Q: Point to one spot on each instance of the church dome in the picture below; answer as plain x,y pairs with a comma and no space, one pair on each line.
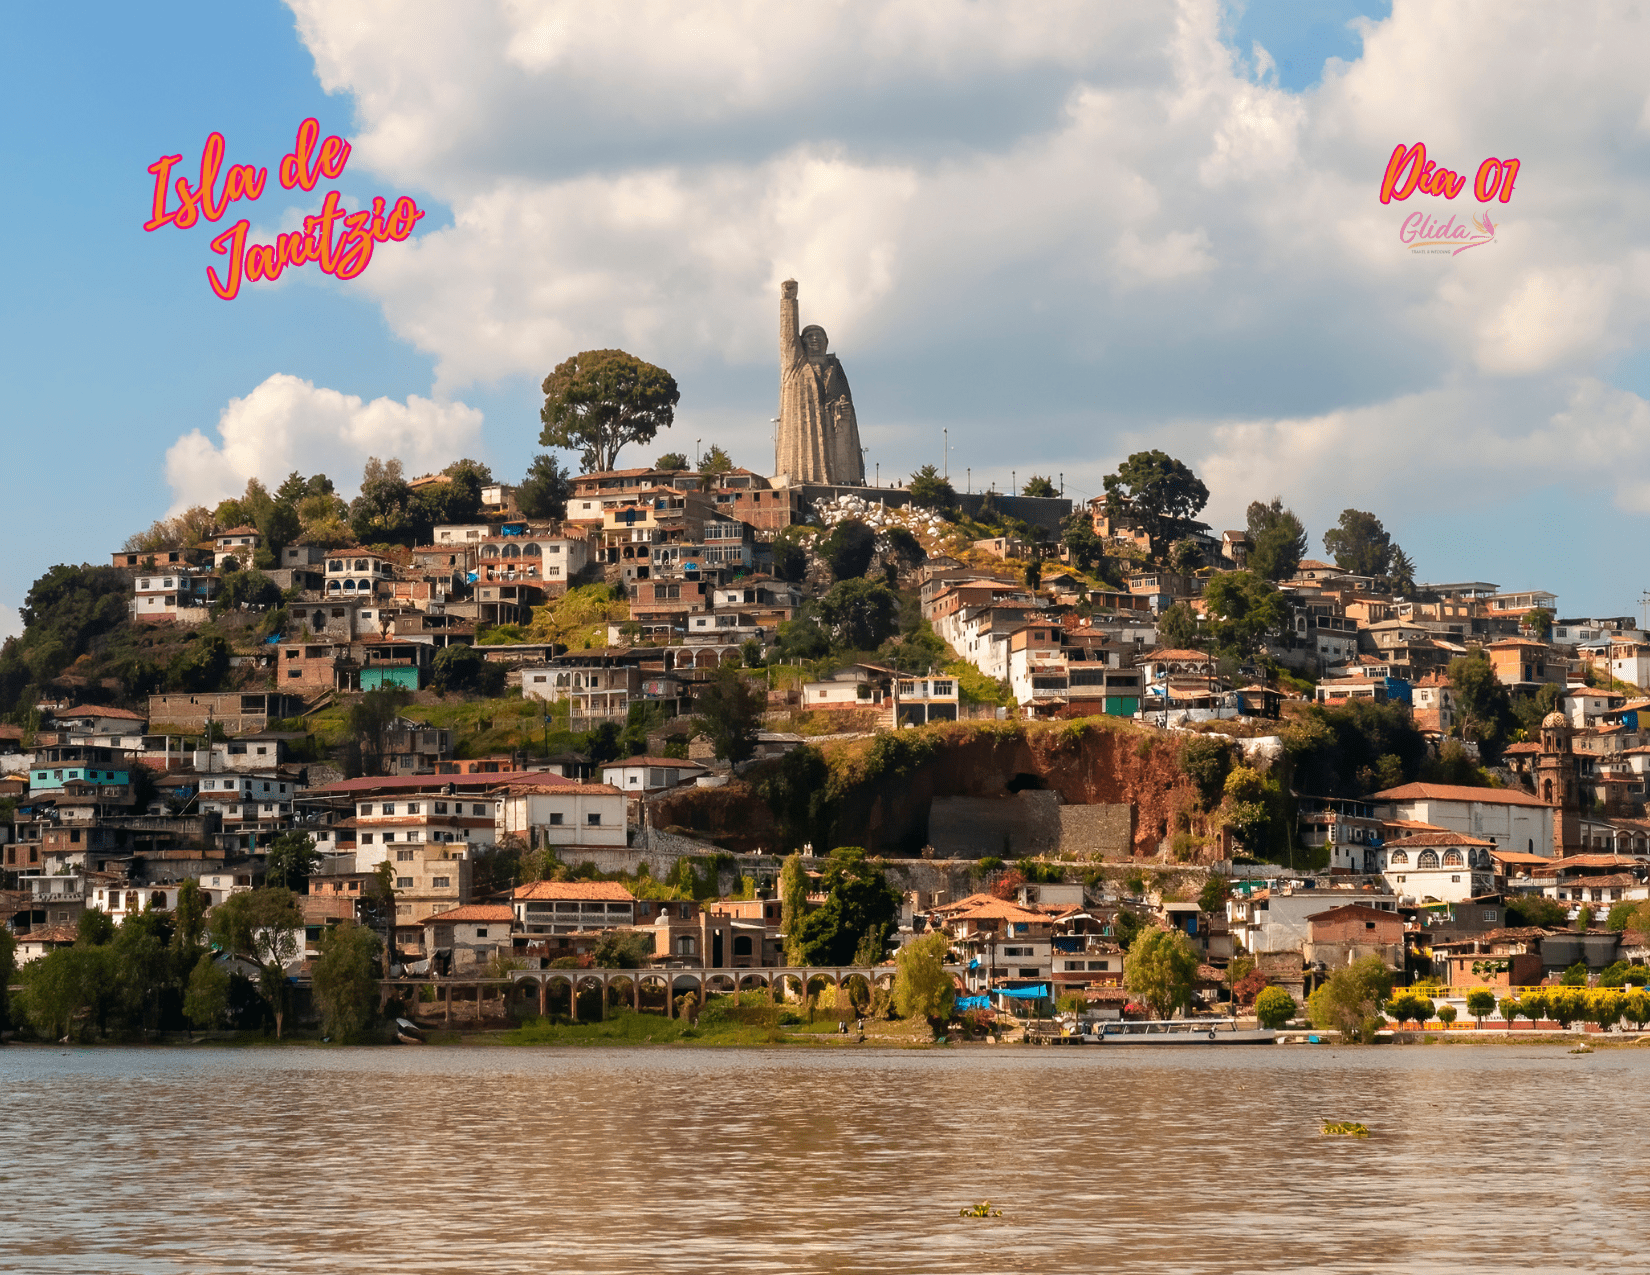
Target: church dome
1554,718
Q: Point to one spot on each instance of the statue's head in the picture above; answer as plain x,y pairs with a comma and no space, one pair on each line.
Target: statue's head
814,341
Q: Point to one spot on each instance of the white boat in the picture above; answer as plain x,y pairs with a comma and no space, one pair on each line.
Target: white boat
1181,1031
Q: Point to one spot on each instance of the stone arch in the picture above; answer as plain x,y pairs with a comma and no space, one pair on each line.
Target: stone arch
1547,791
511,551
531,550
883,979
705,659
489,551
742,945
788,986
752,979
859,989
721,984
731,657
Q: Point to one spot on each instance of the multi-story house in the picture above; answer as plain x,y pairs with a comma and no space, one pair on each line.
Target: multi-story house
178,594
577,815
240,543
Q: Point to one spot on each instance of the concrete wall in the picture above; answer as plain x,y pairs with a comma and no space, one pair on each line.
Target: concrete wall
1027,823
1097,832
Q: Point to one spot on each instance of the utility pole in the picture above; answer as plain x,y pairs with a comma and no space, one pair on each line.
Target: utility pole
947,433
970,472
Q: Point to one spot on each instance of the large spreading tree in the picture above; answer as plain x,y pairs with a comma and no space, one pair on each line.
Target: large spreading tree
1360,544
600,400
1160,491
1277,540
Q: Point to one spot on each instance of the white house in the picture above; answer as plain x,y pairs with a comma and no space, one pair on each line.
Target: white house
578,815
1274,920
1437,867
635,775
1512,820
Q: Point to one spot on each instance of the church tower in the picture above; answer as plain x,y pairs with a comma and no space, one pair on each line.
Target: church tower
1556,783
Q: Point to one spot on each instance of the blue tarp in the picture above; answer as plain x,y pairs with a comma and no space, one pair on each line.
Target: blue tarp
1036,992
973,1002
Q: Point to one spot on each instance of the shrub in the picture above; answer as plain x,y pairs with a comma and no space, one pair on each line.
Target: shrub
1480,1003
1446,1014
1274,1007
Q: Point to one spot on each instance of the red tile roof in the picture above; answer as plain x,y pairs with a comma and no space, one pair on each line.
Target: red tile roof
662,762
1456,792
433,784
600,891
473,912
99,710
1437,839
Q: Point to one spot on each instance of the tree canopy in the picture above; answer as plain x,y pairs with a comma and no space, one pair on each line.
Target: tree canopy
1162,492
1244,607
859,904
1350,1000
715,461
922,988
861,614
929,490
1038,485
598,401
1277,540
729,710
849,548
346,980
1360,544
672,460
1159,970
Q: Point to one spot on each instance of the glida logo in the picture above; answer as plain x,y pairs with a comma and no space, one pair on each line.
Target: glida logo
1410,172
1421,233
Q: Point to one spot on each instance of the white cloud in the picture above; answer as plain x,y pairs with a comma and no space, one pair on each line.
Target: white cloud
288,424
1061,231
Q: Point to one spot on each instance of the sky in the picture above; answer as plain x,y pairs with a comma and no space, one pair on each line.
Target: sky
1041,236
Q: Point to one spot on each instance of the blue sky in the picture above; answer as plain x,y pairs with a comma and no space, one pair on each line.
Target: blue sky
1061,238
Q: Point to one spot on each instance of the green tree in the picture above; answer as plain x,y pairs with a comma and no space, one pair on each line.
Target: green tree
1079,537
1568,1003
461,668
1575,976
544,492
265,927
1160,491
1127,926
793,905
716,461
1510,1008
207,996
1482,702
1212,897
1037,485
346,980
1533,909
369,721
1359,544
922,988
1277,540
858,899
292,860
1584,919
1244,607
729,710
929,490
790,560
1446,1015
383,512
1538,622
201,666
623,950
672,461
598,401
1351,999
143,964
1159,970
1635,1007
66,985
1480,1004
861,614
848,549
1400,571
1274,1007
795,789
252,590
94,928
1177,628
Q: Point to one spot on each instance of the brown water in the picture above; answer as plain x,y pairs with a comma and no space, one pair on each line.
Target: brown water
413,1160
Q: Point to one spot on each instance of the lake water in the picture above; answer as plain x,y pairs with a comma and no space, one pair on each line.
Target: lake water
575,1160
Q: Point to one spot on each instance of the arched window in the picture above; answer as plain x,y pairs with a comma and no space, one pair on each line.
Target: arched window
1400,856
349,586
1452,858
742,945
360,564
333,586
1427,859
512,551
531,550
489,551
1547,791
158,899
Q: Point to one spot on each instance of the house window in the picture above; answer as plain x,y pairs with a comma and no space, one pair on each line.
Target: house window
481,931
366,838
685,946
1033,972
477,808
403,883
403,856
442,883
593,820
555,818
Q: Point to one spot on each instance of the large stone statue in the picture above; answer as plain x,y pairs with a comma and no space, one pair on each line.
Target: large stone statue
818,432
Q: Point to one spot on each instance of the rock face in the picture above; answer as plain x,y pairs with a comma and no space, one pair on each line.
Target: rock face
1106,791
818,438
